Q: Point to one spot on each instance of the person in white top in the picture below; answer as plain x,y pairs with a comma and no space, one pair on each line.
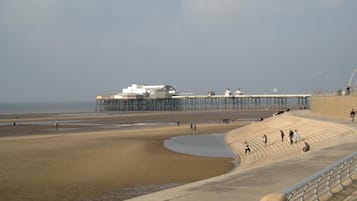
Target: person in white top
265,139
297,136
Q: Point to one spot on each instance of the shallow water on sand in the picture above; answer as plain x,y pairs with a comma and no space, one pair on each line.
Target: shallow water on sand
211,145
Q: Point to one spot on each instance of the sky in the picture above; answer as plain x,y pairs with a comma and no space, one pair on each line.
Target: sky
73,50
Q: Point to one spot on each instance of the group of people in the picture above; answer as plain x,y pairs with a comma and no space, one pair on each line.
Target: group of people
193,126
292,135
247,147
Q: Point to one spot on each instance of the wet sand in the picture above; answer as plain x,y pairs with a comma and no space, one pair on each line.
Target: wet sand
103,164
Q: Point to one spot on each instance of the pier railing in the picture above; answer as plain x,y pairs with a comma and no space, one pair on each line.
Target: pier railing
326,182
203,103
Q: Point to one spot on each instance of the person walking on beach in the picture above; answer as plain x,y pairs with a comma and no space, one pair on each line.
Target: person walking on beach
191,126
282,135
291,136
56,125
352,114
194,127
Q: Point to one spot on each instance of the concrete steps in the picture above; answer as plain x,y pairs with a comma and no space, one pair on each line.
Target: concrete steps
315,132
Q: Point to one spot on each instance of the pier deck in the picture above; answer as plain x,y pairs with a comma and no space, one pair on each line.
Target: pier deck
202,103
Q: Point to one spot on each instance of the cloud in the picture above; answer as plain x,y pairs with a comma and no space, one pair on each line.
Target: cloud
25,12
212,10
218,11
331,3
212,7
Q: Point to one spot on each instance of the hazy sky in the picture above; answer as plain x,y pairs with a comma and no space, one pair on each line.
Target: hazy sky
72,50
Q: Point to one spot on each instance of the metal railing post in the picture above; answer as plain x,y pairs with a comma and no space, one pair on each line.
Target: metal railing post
328,183
316,190
317,185
339,176
303,194
349,175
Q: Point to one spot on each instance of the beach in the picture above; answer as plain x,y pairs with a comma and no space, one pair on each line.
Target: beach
86,161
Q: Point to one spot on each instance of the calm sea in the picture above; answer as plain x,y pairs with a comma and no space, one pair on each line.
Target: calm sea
46,107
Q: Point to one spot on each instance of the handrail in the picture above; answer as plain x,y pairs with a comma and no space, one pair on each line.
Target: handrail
324,181
335,93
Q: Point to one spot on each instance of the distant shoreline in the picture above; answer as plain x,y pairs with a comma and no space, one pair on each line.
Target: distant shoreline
14,108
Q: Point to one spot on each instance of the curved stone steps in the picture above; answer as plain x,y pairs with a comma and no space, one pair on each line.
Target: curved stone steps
313,131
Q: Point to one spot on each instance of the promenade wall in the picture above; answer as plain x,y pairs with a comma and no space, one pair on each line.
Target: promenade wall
333,106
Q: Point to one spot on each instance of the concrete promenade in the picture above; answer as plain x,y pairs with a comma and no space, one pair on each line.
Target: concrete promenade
273,167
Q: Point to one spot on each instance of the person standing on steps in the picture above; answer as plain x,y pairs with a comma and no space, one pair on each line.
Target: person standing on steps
297,136
265,139
247,148
282,135
291,136
352,114
306,147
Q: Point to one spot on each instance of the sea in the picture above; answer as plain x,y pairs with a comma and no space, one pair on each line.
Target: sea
46,107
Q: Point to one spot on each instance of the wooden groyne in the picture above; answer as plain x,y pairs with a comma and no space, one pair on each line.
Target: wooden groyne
202,103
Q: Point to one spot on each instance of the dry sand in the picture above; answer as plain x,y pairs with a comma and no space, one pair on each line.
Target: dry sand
95,164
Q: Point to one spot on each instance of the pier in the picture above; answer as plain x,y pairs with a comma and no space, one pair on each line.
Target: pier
202,103
142,98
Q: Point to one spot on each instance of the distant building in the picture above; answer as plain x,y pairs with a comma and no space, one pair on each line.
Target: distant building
136,91
211,93
227,92
238,92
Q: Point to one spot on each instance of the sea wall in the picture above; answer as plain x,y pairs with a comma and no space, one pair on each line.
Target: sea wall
333,106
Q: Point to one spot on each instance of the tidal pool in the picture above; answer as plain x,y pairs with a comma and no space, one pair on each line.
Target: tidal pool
211,145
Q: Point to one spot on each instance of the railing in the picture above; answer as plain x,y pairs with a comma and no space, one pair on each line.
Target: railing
336,93
324,183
